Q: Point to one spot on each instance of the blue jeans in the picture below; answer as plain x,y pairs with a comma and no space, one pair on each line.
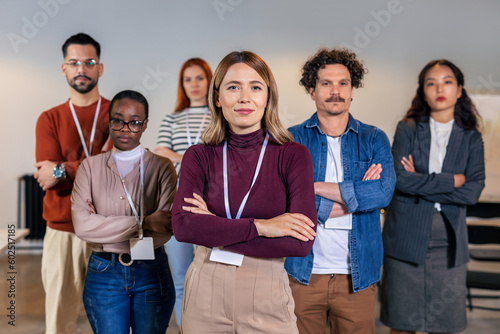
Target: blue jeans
118,298
180,255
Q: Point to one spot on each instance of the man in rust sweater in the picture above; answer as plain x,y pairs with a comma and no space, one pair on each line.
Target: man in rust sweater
65,135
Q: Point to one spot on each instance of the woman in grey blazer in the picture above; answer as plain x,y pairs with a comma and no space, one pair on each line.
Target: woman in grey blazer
439,158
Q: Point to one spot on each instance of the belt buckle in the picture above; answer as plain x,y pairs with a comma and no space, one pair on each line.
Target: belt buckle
126,264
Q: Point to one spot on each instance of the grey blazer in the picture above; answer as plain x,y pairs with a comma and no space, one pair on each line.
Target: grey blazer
408,221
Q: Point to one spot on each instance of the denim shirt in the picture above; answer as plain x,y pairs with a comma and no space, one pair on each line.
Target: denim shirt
361,146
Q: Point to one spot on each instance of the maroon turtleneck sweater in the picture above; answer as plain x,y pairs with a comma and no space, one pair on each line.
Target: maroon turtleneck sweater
285,184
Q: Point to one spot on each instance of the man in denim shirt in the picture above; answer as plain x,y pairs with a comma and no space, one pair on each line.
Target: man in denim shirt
354,178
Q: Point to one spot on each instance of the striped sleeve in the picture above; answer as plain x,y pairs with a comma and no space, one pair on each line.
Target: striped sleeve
165,133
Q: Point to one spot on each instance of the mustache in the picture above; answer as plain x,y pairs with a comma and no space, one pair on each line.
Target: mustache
82,76
335,99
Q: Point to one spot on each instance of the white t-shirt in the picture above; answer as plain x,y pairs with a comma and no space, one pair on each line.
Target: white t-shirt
331,247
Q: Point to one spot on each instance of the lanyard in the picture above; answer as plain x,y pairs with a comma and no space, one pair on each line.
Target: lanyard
199,130
138,219
256,173
88,151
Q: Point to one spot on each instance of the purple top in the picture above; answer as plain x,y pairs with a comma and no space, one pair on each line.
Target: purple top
285,184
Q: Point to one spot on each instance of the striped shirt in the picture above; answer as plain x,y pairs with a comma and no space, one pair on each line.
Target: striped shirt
173,134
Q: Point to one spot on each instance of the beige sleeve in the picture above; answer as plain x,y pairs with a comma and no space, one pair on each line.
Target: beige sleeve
112,232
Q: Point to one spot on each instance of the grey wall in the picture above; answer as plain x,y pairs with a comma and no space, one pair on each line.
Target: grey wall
394,38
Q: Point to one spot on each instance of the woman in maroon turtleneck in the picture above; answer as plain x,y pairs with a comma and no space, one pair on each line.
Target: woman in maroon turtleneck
246,197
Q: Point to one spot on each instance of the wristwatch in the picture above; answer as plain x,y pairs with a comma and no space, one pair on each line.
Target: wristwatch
59,172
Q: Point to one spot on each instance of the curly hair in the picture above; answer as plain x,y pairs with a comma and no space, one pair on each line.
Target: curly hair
466,114
330,57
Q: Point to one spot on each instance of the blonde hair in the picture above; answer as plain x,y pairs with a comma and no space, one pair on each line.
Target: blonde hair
216,131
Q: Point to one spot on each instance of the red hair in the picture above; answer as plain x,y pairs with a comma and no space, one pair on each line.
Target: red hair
182,99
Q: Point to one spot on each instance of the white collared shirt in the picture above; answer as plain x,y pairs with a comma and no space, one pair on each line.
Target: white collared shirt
440,136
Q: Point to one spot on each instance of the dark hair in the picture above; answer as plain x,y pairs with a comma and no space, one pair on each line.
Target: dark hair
216,131
465,115
81,39
330,57
182,99
133,95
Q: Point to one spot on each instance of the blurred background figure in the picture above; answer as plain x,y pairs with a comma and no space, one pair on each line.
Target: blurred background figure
439,160
178,131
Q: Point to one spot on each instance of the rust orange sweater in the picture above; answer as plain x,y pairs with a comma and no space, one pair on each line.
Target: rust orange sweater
57,140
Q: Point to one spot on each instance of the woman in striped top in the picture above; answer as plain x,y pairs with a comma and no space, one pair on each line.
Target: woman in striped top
178,131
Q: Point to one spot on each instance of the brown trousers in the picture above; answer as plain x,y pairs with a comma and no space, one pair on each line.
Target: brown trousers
332,296
253,298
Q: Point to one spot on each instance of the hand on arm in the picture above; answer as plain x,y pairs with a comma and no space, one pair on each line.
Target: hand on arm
411,178
168,153
294,225
338,210
241,235
45,174
159,221
328,190
467,187
459,180
408,164
200,205
331,190
373,172
92,209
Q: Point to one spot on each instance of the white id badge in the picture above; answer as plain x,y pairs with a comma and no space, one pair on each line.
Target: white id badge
341,223
227,257
142,249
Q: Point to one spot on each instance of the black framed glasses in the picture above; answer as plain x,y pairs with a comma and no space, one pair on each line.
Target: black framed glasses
88,64
118,124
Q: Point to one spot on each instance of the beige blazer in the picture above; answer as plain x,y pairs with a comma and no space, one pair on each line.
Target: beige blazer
114,224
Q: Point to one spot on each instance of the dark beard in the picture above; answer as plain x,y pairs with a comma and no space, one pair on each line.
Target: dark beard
83,89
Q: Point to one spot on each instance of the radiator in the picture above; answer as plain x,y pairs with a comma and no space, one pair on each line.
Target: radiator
30,207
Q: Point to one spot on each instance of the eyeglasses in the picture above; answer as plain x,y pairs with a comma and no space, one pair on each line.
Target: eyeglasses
88,64
118,124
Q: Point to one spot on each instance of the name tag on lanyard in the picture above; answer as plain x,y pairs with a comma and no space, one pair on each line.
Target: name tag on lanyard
141,248
341,223
218,254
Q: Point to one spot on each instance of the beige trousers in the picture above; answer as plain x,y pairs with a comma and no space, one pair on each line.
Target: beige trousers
64,264
253,298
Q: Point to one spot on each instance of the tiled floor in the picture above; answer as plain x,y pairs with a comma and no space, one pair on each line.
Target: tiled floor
29,303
